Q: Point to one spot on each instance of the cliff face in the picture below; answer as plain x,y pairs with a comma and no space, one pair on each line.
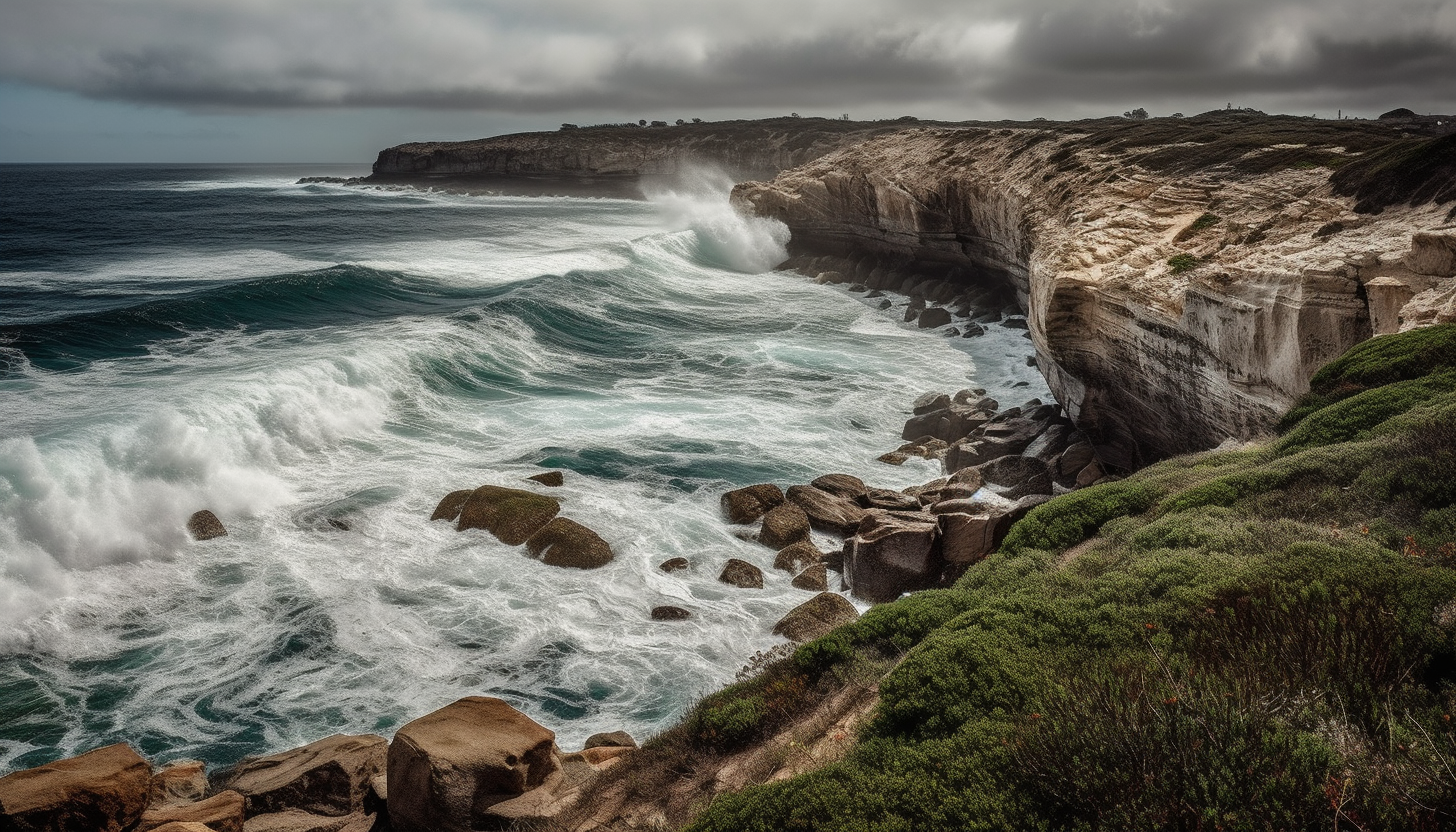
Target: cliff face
742,149
1272,272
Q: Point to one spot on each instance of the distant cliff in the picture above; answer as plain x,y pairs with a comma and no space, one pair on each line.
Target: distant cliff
1183,278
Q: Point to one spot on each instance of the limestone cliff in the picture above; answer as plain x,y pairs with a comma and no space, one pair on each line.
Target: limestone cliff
1182,278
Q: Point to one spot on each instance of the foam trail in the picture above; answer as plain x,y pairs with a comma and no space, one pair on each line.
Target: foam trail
700,203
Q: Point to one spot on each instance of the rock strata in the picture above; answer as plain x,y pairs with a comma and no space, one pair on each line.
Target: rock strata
329,777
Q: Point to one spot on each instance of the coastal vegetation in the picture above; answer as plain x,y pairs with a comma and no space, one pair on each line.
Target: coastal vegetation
1258,638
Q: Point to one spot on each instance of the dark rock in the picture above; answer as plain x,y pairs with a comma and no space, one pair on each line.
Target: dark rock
1014,323
834,560
972,331
927,402
784,525
892,554
892,458
816,617
885,304
884,498
742,574
1014,477
815,578
668,613
859,287
553,479
840,485
914,309
745,505
1049,446
971,397
204,525
100,791
987,318
825,511
673,564
511,514
329,777
563,542
1076,457
795,557
933,317
610,739
449,508
875,293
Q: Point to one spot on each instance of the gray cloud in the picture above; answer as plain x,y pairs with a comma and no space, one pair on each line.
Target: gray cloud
978,57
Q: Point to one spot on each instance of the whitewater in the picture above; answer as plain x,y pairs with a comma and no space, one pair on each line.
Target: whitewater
319,364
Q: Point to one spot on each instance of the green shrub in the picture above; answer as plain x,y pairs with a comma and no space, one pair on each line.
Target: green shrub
894,628
1069,519
1353,417
1180,263
951,678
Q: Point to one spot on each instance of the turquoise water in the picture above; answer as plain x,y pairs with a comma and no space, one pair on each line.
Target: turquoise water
178,338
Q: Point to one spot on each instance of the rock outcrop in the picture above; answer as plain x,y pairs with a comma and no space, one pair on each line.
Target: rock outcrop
329,777
815,617
105,790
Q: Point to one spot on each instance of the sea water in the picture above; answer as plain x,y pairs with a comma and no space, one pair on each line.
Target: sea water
319,364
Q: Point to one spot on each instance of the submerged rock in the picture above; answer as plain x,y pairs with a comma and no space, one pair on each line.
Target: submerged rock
670,613
815,617
563,542
511,514
745,505
204,525
674,564
100,791
742,574
553,479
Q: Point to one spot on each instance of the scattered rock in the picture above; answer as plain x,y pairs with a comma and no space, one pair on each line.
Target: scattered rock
183,781
1014,477
1090,475
100,791
972,331
670,613
329,777
511,514
933,317
815,617
814,578
784,525
563,542
1014,323
449,507
927,402
796,556
742,574
450,770
826,512
553,479
840,485
893,458
745,505
223,812
204,525
673,564
891,554
610,739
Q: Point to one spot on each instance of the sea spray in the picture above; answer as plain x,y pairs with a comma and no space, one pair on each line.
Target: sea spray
698,200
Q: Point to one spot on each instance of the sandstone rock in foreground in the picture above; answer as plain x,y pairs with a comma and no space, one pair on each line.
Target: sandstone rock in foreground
223,812
815,617
893,553
183,781
329,777
100,791
450,768
511,514
563,542
204,525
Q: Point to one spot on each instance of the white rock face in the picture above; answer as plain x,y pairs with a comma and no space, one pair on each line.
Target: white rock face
1148,359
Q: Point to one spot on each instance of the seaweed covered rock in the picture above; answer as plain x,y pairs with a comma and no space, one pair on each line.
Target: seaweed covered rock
511,514
564,542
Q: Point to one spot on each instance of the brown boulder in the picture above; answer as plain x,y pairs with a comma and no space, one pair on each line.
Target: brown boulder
893,553
673,564
449,507
745,505
927,402
552,479
814,578
1014,477
826,512
563,542
511,514
183,826
893,458
795,557
883,498
840,485
204,525
815,617
669,613
328,777
610,739
223,812
450,768
742,574
783,526
100,791
184,781
967,538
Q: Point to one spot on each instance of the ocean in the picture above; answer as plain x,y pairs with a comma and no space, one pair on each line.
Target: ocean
319,364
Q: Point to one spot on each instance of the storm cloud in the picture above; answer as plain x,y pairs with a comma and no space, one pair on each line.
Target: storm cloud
560,56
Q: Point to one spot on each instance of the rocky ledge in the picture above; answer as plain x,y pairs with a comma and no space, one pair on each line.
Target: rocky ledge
1182,278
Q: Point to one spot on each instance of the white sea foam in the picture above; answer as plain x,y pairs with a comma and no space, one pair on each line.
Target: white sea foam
698,201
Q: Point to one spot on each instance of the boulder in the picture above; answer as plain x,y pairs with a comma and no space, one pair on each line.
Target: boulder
294,820
884,498
893,458
1076,457
815,617
967,538
610,739
1048,447
449,507
1090,474
926,447
551,479
329,777
183,826
784,525
670,613
967,477
1432,254
926,402
840,485
673,564
1014,323
511,514
449,769
826,512
183,781
745,505
891,554
814,578
1014,477
972,331
742,574
795,557
204,525
914,309
223,812
933,317
100,791
563,542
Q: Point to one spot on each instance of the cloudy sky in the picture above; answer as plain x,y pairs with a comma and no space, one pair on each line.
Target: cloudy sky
335,80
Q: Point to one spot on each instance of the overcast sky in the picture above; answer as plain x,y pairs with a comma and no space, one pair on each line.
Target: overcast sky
336,80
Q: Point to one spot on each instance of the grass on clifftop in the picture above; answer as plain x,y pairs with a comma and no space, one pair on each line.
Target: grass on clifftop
1250,640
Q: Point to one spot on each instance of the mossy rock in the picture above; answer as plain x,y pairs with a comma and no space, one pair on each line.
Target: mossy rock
784,526
449,508
511,514
815,617
563,542
742,574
